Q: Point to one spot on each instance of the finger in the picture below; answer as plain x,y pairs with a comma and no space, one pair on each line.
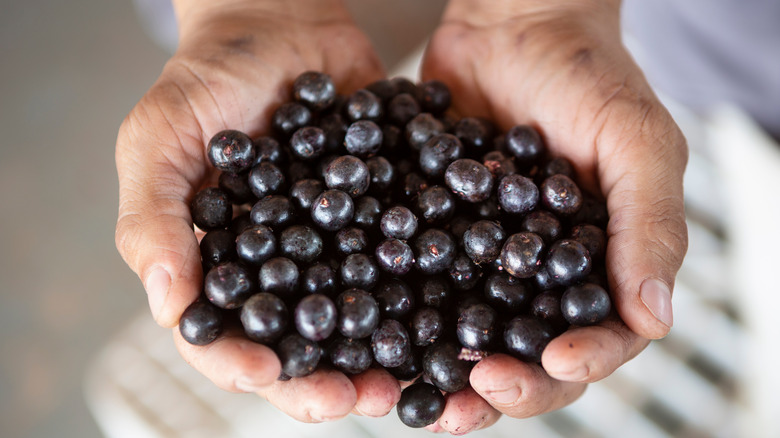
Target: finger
466,412
589,354
647,231
232,362
520,389
377,392
325,395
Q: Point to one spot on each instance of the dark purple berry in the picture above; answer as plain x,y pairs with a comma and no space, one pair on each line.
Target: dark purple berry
350,356
568,262
218,246
475,134
332,210
402,108
507,294
524,143
318,278
383,89
561,195
394,256
547,306
464,273
421,128
558,166
526,336
266,179
394,298
300,243
363,138
412,185
304,192
315,317
435,292
299,356
435,96
231,151
469,179
435,205
308,143
264,317
594,239
211,209
289,117
398,222
517,194
522,254
228,285
421,404
368,211
435,251
315,90
359,271
439,152
544,224
443,368
483,241
358,313
236,185
426,326
382,174
255,245
267,149
390,343
363,105
585,304
348,174
275,211
498,164
477,326
201,323
279,276
351,240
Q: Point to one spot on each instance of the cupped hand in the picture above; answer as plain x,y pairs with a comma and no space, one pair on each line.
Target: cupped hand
235,61
560,66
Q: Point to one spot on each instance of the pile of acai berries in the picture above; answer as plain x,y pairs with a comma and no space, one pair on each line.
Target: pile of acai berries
375,229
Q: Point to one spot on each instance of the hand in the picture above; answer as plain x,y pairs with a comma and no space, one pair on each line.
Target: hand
233,59
560,66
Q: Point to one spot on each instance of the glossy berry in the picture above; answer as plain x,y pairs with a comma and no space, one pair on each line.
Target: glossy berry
469,179
399,223
289,117
255,245
524,143
435,250
421,128
561,195
435,205
593,238
351,240
348,174
585,304
435,291
558,166
275,211
499,164
358,313
517,194
264,317
231,151
300,243
483,240
526,336
394,257
464,273
443,368
269,150
394,298
332,210
279,276
368,211
402,108
382,174
438,152
228,285
477,327
218,246
507,294
435,96
568,262
363,105
390,343
475,134
304,192
363,138
201,323
522,254
315,317
384,89
350,356
426,326
315,90
421,404
236,185
543,223
299,356
409,370
318,278
547,306
412,185
266,179
211,209
359,271
308,143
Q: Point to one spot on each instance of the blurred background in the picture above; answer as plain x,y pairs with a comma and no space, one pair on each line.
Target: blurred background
70,329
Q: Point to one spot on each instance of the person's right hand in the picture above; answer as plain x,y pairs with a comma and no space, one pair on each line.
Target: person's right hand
234,60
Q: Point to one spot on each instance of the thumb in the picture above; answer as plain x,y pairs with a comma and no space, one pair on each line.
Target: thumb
642,178
154,231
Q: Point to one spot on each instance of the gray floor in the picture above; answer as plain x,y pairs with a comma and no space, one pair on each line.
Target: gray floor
69,72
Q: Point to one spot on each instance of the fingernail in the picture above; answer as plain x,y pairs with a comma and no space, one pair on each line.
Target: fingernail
246,384
505,396
157,284
658,300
